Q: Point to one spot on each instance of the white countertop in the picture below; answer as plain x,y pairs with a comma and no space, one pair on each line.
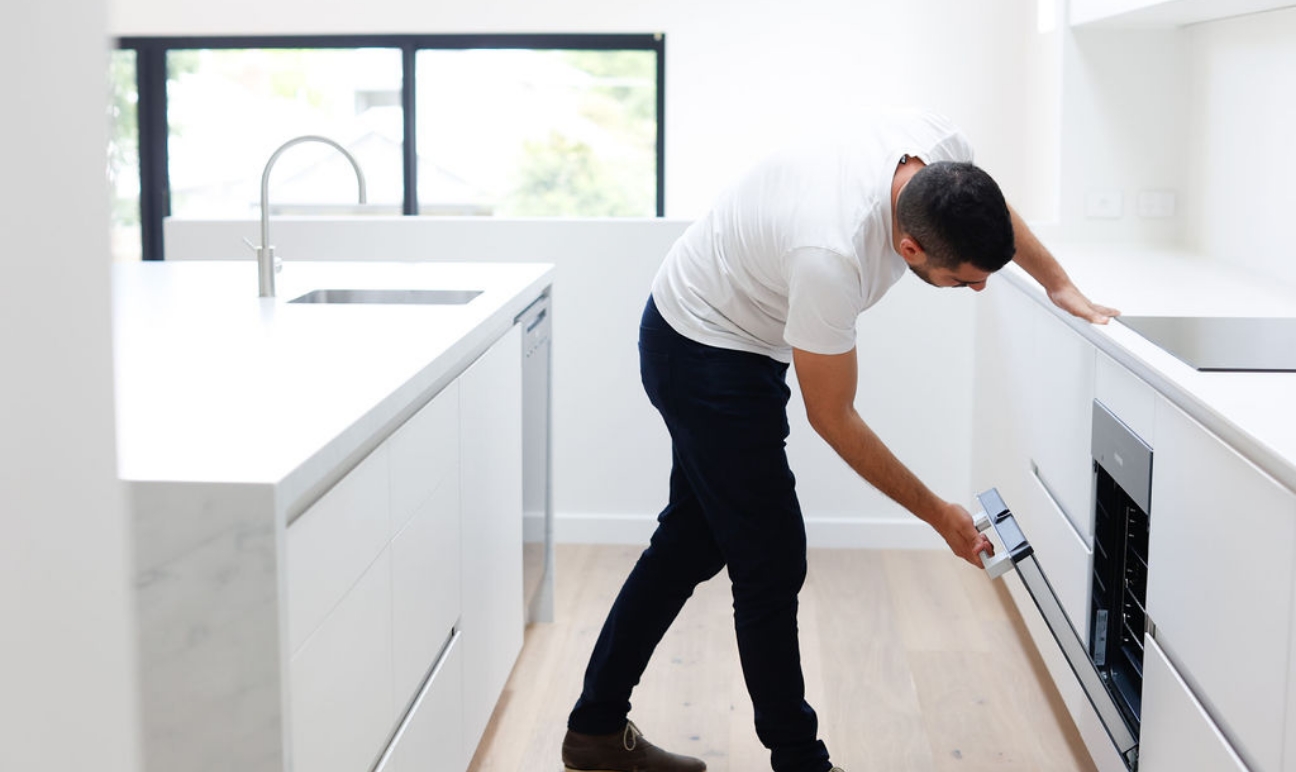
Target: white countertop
217,385
1253,412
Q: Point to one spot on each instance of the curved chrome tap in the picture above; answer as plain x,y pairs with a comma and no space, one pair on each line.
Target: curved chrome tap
267,264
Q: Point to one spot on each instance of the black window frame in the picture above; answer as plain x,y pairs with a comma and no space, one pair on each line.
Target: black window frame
151,81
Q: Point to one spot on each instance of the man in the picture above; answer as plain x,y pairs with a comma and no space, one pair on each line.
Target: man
777,273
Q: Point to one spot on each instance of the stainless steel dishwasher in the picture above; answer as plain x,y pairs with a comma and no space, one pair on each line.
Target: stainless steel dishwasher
537,469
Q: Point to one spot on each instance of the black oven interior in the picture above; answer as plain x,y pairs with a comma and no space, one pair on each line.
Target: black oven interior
1118,605
1119,594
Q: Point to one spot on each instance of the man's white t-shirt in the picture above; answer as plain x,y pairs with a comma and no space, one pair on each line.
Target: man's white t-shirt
793,253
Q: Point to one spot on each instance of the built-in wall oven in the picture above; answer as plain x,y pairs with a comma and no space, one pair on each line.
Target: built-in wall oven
1109,665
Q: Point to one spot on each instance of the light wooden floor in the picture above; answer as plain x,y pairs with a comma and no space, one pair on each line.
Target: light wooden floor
913,660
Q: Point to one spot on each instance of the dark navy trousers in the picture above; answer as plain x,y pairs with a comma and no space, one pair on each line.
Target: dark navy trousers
732,503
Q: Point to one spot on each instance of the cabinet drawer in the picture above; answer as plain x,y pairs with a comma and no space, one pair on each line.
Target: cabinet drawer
1063,556
1127,397
424,452
1220,557
431,739
331,544
425,587
1061,396
1177,734
340,682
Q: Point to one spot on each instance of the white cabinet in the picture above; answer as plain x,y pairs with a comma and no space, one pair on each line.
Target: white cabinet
404,585
372,591
491,482
425,544
432,738
331,545
1061,389
1065,559
1219,690
1034,393
1220,575
425,587
1177,734
1001,420
1125,396
340,694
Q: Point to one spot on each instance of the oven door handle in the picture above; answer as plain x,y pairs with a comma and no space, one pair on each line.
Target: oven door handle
994,513
1017,553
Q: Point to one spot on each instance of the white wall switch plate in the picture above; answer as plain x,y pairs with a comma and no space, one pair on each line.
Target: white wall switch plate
1104,204
1156,203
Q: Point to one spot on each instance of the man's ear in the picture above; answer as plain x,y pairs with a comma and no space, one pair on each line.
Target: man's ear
912,253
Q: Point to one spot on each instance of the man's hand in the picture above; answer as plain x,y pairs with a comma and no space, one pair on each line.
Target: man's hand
960,533
1071,300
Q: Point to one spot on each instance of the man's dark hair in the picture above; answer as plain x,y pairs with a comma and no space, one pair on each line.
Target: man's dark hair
957,214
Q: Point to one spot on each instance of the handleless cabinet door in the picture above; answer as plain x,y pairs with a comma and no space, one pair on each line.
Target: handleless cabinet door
490,404
341,681
1220,563
334,542
1177,735
425,587
1063,556
1001,420
425,547
431,740
1061,393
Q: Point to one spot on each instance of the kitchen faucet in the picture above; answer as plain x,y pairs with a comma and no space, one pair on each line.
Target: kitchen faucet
267,263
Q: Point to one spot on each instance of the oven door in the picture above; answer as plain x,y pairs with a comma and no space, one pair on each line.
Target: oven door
1017,553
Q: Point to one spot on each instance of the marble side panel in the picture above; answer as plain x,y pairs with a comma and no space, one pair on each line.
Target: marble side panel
208,593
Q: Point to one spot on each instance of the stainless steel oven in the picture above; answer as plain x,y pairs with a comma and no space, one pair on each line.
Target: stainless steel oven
1109,665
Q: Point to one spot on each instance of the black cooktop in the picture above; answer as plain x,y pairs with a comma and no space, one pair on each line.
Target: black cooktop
1231,344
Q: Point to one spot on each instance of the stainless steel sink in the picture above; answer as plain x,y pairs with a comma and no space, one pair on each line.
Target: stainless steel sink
389,296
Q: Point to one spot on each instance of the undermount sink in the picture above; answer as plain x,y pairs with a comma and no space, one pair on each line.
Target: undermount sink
389,296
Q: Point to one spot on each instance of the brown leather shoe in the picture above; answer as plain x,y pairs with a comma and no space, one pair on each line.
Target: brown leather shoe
624,751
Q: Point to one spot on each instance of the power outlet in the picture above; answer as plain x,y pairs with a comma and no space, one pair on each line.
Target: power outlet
1155,204
1104,205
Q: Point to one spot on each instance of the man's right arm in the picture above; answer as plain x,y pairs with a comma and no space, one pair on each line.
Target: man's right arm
828,384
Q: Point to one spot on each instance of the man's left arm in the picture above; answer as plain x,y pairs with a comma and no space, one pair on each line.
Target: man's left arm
1037,261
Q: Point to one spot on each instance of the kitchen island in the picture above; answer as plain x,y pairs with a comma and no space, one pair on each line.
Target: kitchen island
327,511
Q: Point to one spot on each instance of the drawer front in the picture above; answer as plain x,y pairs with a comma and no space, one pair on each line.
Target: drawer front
334,542
1177,734
1220,563
1063,556
432,738
425,587
1127,397
340,687
1061,417
424,452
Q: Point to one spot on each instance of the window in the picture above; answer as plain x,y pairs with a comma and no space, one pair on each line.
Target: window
520,125
538,133
123,157
228,110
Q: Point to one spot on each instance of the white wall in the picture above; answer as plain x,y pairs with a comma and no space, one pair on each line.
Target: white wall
740,75
1243,141
1123,129
611,452
1204,110
67,686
